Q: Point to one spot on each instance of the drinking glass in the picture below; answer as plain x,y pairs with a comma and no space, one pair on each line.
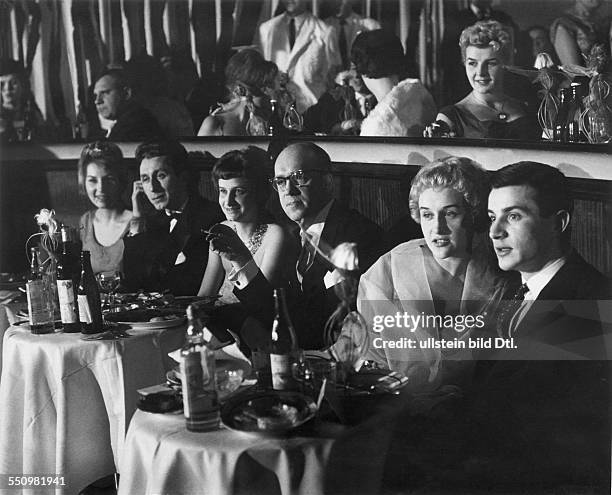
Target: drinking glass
108,283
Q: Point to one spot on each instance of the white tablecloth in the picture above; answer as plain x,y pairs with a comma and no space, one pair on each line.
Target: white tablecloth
65,403
161,456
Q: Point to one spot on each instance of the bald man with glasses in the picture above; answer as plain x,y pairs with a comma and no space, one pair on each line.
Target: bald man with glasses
303,181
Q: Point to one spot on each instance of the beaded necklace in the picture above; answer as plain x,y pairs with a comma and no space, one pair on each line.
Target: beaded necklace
254,241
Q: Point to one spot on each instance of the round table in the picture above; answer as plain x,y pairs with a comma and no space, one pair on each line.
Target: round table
162,456
65,403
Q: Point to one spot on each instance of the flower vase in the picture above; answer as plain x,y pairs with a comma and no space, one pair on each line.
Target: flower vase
599,121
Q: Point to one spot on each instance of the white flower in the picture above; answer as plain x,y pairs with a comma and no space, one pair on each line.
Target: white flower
345,257
543,61
46,221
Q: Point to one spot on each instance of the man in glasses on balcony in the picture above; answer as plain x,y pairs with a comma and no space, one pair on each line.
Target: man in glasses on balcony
303,180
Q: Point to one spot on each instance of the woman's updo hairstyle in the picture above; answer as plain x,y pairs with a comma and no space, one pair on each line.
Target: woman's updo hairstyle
460,174
378,54
248,74
486,34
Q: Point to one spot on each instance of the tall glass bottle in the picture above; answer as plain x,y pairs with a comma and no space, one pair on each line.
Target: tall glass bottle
39,310
274,124
575,110
66,287
284,350
560,129
88,298
200,402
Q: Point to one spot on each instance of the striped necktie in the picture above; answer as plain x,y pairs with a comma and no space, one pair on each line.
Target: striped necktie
509,309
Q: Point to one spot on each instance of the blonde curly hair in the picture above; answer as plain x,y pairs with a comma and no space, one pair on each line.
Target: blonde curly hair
484,34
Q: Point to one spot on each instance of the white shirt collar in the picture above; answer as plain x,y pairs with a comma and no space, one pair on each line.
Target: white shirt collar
538,281
316,228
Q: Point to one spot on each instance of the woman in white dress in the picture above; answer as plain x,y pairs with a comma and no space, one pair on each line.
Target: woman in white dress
440,285
240,177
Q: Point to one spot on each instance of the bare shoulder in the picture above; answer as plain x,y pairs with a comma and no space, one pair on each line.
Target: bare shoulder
212,126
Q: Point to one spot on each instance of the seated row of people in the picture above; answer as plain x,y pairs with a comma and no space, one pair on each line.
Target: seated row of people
164,242
493,109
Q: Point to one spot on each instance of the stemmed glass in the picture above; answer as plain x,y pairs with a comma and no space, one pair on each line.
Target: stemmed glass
109,283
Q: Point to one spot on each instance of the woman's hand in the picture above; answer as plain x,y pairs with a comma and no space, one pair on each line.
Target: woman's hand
225,242
438,129
137,198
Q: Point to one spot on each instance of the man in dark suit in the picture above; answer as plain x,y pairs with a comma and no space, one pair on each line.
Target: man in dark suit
530,209
540,410
304,184
125,119
167,250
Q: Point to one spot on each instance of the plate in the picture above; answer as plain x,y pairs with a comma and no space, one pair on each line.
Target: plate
267,413
140,319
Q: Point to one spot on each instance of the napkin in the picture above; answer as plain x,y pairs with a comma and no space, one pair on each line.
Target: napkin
226,350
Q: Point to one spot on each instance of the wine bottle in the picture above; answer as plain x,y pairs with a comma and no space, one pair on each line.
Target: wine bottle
200,402
275,125
283,347
66,288
88,298
39,311
560,129
81,125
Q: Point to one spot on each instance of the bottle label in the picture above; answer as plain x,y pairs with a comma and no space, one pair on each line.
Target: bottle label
280,366
84,309
199,394
65,293
38,307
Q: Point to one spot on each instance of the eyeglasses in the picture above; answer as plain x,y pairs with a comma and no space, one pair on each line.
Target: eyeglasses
299,178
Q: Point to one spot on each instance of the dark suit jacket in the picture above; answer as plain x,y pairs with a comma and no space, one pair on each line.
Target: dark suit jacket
149,257
541,411
311,304
135,124
566,313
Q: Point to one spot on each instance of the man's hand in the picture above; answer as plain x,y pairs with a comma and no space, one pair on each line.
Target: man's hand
225,242
138,196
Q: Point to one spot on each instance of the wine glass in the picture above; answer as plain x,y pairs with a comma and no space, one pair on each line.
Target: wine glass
108,283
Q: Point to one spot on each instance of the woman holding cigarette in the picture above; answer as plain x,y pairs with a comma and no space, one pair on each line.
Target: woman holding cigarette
240,178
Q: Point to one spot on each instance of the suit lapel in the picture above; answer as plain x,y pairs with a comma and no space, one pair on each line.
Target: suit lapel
302,40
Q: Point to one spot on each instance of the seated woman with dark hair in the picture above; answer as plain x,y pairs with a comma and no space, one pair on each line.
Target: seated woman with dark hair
249,80
439,285
21,118
240,178
486,112
103,176
404,105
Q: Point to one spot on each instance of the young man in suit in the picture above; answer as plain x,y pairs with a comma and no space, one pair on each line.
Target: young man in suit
167,249
539,411
530,210
303,180
304,47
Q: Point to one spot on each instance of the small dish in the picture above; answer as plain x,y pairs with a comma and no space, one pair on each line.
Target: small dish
147,319
270,413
